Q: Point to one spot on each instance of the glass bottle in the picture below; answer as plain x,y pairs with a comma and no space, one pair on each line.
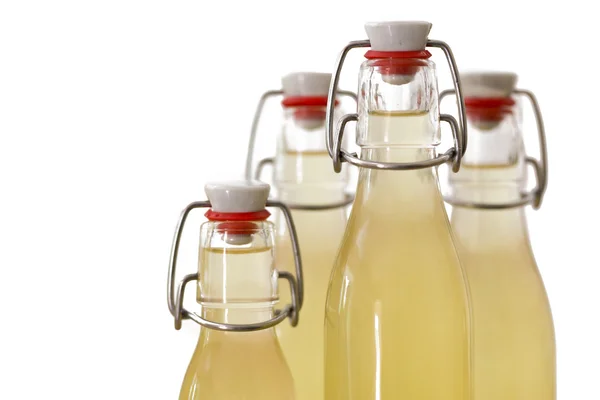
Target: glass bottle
305,182
238,355
514,348
397,311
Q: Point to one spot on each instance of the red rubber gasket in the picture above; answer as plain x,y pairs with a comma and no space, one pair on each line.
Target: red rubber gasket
245,216
306,101
237,223
419,54
398,62
488,108
488,101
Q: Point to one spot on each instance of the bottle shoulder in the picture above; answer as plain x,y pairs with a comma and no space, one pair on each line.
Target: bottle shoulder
253,360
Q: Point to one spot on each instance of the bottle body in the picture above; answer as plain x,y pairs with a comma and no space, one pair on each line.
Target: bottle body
319,233
397,310
304,177
514,344
237,285
397,313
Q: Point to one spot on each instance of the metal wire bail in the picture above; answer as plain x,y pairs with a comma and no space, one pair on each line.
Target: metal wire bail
256,120
540,167
334,137
175,297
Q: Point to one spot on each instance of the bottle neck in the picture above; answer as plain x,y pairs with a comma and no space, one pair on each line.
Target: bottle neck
236,286
303,172
265,338
239,313
481,229
311,194
237,280
487,192
493,172
380,191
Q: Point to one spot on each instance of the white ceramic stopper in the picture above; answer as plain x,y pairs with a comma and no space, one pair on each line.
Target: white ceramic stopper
398,35
306,84
488,84
237,196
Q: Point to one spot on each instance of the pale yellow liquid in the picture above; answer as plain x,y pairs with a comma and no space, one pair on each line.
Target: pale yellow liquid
514,351
397,314
236,365
319,234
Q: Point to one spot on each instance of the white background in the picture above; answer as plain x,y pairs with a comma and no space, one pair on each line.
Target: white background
114,113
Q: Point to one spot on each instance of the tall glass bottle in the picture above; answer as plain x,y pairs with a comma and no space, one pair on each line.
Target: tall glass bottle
316,195
397,310
514,350
238,355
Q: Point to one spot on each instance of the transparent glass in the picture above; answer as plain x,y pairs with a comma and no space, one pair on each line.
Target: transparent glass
237,285
381,95
492,144
514,344
304,175
397,310
236,263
